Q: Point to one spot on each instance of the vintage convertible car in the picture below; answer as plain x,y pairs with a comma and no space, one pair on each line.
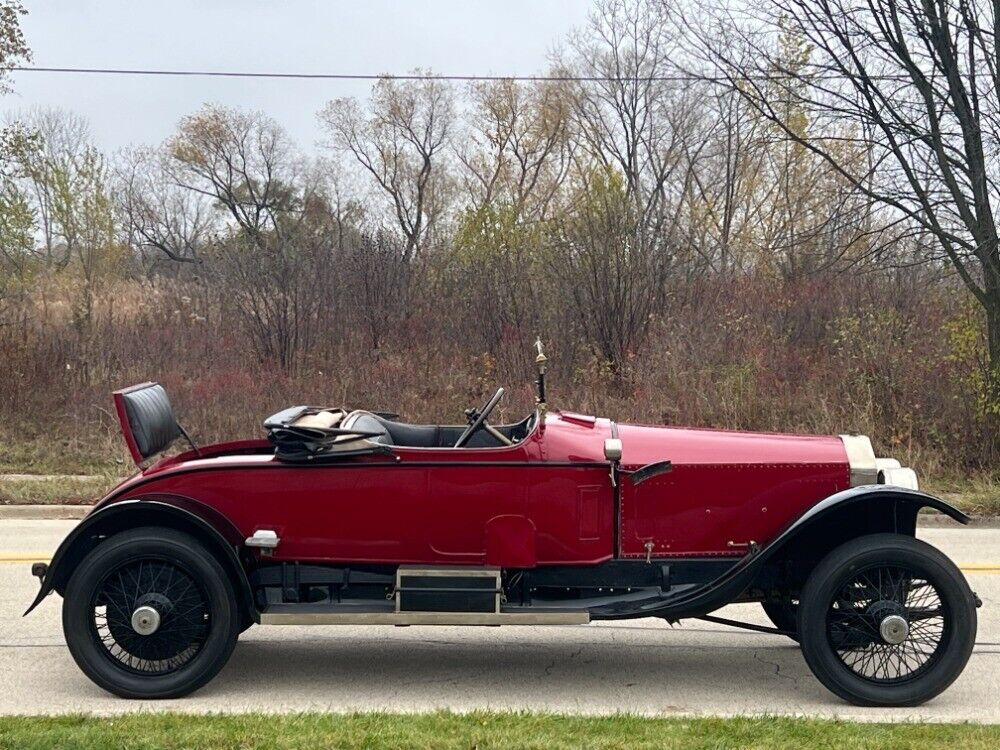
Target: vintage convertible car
351,516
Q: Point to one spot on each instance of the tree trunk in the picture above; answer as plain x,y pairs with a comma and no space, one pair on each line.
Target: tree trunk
992,305
991,396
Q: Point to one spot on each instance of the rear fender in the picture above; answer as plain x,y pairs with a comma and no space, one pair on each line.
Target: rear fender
219,536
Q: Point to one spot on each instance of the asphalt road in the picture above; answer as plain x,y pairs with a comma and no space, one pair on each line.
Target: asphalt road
641,666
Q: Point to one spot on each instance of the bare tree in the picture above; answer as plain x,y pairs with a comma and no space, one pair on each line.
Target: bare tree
401,142
156,213
727,187
518,150
628,114
914,86
379,276
274,260
639,137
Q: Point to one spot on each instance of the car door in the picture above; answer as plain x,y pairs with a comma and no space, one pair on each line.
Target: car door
540,502
470,487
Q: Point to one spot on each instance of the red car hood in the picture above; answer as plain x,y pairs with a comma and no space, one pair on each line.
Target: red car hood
578,437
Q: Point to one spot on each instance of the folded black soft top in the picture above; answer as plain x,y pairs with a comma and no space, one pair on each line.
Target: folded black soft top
306,433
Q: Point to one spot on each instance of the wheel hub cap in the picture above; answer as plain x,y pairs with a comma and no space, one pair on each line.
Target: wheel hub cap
894,629
145,620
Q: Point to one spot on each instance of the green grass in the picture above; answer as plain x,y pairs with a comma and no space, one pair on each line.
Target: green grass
56,490
977,495
58,454
475,730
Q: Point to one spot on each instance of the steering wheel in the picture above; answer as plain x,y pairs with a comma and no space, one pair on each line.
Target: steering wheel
476,421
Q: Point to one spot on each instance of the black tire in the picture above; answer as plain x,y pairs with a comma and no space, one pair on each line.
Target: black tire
844,613
784,615
171,572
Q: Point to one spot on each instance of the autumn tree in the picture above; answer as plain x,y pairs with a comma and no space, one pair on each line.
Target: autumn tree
515,155
402,143
84,219
64,179
631,114
638,136
611,281
53,144
17,227
16,220
918,85
275,257
242,161
517,149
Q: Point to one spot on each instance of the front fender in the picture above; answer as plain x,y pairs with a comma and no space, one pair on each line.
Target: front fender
894,508
118,516
905,504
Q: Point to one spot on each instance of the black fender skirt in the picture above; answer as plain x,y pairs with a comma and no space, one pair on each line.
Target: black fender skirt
904,505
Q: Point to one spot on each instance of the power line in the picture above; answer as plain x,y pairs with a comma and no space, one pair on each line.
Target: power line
678,77
352,76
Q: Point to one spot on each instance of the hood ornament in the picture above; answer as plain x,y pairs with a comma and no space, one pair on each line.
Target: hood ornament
540,362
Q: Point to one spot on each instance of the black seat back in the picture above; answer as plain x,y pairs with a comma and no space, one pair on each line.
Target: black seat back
147,419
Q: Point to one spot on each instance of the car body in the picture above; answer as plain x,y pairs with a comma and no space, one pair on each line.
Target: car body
356,517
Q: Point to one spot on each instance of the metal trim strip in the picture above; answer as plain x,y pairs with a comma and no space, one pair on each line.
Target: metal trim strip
424,618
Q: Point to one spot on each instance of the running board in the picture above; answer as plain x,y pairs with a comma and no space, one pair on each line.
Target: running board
304,614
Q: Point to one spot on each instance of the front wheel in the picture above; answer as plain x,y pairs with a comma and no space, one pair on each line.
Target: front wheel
887,620
150,613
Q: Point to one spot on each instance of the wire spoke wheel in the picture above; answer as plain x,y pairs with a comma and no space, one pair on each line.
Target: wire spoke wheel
150,613
150,616
887,620
888,624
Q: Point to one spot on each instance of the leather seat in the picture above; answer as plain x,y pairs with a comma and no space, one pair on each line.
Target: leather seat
365,421
415,435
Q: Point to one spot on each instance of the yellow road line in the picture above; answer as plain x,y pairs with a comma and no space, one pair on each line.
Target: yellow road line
981,570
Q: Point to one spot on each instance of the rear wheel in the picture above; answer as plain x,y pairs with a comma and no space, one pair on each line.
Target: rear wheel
887,620
150,613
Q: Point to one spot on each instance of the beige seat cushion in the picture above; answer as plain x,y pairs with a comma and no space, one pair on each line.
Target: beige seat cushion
323,420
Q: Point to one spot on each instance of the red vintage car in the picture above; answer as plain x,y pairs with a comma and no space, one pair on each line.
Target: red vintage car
352,516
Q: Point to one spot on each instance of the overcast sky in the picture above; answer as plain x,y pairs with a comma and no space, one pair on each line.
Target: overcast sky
335,36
